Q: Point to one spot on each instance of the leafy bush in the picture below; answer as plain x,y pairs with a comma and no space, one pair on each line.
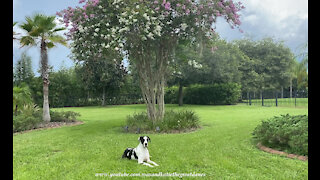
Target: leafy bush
63,116
173,120
287,133
215,94
27,118
171,95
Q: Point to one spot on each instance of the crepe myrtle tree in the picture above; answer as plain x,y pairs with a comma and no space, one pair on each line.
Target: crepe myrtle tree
146,31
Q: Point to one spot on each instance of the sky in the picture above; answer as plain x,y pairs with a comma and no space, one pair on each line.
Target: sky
285,20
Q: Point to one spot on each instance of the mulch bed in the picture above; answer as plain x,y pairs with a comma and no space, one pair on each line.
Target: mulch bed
273,151
49,125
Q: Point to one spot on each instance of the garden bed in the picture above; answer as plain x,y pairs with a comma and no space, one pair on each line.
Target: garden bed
273,151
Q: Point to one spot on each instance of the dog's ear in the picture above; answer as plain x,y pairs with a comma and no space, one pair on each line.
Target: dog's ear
140,138
148,139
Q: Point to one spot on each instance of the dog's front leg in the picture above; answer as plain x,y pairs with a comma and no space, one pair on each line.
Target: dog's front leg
141,162
149,161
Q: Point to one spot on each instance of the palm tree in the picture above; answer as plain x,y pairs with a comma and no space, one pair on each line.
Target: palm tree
41,29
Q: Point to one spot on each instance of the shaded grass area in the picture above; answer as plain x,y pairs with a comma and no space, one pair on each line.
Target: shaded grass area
222,149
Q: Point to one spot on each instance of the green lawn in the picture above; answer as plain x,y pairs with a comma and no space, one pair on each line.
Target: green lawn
222,149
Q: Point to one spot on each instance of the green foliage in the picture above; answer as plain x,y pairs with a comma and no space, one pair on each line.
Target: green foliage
66,88
173,121
272,62
171,95
215,94
63,116
27,118
285,132
21,97
42,26
23,70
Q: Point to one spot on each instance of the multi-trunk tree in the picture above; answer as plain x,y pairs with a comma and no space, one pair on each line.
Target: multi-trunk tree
146,32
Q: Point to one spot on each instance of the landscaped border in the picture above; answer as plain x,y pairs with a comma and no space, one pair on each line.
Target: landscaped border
273,151
51,125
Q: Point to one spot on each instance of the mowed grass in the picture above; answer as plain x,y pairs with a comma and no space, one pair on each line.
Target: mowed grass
221,149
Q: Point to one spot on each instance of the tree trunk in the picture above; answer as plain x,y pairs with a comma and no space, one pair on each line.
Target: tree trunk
281,92
45,78
46,110
180,94
152,65
103,96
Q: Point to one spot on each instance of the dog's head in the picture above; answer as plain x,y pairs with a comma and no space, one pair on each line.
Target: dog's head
144,140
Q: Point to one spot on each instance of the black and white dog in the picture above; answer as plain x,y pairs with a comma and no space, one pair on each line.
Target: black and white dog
140,153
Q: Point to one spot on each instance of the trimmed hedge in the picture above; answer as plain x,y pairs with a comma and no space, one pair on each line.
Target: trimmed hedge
213,94
286,133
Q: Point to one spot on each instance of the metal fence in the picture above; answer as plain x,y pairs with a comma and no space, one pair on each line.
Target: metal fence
298,98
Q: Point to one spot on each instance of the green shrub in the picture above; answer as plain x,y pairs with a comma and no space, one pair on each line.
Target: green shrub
171,95
173,120
214,94
27,118
287,133
63,116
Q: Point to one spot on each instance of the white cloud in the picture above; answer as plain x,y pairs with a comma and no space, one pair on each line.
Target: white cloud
284,20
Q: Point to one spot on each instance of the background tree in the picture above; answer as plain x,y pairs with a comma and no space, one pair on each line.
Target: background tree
185,68
272,62
66,88
106,77
23,70
41,30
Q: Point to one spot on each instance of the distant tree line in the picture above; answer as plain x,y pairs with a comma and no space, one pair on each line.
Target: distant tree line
254,65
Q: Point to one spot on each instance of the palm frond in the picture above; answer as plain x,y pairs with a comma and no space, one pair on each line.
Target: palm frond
58,29
50,45
58,39
27,41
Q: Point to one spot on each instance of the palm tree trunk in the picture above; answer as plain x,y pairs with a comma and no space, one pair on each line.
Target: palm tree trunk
45,78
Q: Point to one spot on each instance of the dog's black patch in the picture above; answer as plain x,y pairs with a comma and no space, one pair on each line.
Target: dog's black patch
128,153
135,155
141,139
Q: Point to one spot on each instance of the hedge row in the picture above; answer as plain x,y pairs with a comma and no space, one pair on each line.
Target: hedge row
214,94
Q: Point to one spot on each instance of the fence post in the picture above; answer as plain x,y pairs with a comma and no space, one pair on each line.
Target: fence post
276,99
262,98
295,98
